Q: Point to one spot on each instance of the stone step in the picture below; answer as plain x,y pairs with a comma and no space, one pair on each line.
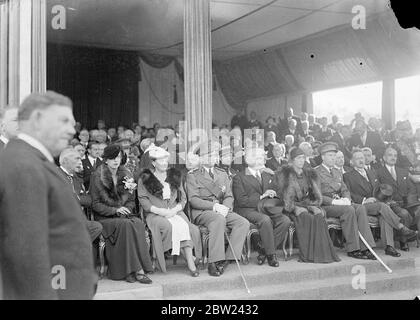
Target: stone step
178,282
288,272
394,295
324,289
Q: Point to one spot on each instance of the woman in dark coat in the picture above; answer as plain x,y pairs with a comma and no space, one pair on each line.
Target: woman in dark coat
112,192
302,199
163,198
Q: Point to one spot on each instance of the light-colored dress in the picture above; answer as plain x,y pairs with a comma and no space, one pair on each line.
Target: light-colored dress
161,227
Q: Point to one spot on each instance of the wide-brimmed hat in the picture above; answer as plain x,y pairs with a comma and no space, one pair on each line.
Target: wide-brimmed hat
158,153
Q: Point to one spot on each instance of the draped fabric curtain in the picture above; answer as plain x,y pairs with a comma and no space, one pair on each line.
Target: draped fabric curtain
198,67
158,88
340,58
22,49
103,84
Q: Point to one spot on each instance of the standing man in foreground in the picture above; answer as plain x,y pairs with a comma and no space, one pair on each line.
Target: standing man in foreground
45,247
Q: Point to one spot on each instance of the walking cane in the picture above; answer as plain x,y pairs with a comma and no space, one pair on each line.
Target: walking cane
237,262
374,253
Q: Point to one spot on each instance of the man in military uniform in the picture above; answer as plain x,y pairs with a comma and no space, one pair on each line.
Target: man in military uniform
337,204
210,196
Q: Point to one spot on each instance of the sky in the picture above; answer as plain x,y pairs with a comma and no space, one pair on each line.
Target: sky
367,99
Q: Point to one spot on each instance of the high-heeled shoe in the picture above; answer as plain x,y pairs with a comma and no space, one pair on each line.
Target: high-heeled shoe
142,278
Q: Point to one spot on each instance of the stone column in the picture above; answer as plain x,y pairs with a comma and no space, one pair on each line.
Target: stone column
198,69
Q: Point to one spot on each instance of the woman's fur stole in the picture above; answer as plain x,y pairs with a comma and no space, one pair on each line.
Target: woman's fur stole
154,187
293,194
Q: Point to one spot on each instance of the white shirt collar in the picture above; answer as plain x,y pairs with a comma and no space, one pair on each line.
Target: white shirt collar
4,139
91,159
253,172
328,169
37,145
208,169
389,167
362,171
65,171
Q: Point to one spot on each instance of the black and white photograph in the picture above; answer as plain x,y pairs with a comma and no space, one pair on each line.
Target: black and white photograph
225,152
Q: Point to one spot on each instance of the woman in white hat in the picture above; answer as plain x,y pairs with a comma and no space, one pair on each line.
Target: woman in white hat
163,199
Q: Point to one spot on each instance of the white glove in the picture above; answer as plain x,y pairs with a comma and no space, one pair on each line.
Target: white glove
337,202
221,209
346,201
341,202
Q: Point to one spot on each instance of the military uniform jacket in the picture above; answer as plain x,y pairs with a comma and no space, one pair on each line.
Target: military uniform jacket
203,191
332,185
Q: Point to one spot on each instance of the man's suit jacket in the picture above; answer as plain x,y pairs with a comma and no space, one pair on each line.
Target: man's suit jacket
404,190
295,135
331,184
359,187
373,141
247,190
79,189
324,135
341,145
274,165
41,229
275,129
203,192
2,145
88,169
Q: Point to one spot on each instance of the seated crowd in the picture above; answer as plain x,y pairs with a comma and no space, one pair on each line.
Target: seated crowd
304,172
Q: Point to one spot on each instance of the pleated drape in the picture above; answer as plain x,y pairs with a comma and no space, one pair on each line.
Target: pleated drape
197,67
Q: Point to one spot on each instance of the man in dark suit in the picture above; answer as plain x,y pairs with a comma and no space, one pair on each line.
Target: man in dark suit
272,126
253,122
70,163
363,186
292,130
278,158
364,138
340,163
210,196
325,133
45,247
239,120
249,188
91,161
84,138
340,137
284,123
370,162
314,127
336,201
405,200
